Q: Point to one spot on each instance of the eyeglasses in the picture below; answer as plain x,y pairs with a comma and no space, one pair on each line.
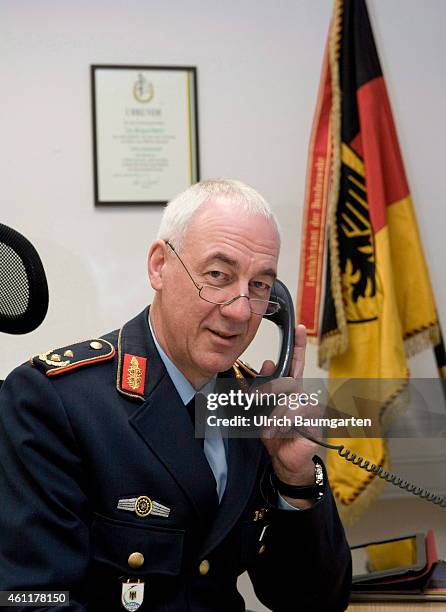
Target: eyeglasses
223,297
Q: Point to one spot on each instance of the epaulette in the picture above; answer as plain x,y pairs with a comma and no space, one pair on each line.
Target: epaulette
243,370
73,356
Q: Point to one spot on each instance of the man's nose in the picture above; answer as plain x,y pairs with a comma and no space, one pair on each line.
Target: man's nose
239,308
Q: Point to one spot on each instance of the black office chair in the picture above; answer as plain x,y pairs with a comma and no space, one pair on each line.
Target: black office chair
23,285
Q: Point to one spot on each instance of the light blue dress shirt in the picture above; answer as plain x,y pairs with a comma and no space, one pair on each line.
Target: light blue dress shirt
214,446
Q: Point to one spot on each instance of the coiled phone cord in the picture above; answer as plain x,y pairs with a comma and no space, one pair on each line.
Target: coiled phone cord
365,464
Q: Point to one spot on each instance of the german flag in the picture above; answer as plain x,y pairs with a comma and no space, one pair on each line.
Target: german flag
375,306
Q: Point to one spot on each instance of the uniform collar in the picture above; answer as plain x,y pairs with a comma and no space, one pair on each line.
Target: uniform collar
138,359
137,341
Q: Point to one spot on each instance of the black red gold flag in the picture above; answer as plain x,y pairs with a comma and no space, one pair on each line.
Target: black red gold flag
373,306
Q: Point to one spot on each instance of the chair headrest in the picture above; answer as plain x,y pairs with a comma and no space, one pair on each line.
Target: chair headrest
23,284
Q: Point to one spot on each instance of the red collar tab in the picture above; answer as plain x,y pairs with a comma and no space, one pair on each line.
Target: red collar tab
134,374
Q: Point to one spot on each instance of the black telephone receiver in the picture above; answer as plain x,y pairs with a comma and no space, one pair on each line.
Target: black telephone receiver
284,319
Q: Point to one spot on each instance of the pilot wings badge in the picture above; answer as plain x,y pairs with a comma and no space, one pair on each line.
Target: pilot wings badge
132,595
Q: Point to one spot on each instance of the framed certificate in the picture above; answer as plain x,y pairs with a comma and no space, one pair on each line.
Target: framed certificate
145,133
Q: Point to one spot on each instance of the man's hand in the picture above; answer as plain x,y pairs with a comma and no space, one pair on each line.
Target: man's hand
291,456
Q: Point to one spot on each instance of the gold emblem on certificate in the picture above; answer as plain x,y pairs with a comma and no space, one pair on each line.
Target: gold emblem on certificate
143,90
132,595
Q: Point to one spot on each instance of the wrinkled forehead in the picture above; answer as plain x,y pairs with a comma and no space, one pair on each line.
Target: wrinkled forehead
219,220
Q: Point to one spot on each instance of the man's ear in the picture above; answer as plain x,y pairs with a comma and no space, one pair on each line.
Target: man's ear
156,261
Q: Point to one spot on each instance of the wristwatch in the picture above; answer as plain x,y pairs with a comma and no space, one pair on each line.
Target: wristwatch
315,491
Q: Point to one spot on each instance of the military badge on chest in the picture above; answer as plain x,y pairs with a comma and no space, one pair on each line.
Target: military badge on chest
132,594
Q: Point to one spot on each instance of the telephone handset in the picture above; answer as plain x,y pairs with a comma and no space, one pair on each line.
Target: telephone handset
284,319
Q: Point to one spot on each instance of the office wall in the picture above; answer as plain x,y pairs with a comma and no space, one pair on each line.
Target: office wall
258,71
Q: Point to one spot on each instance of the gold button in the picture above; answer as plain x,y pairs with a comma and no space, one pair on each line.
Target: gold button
204,567
55,357
68,353
96,345
262,549
135,560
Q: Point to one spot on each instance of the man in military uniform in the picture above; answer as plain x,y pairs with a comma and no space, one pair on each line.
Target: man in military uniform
107,493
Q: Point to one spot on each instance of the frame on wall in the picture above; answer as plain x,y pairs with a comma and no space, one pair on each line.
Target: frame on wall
145,133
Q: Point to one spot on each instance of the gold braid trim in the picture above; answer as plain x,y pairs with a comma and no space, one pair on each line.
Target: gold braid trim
351,509
328,348
336,344
396,405
313,340
351,513
421,339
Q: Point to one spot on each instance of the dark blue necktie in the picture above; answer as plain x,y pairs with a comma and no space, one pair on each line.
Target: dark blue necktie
190,407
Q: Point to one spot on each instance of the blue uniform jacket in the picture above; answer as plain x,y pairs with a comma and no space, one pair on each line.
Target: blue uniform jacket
75,439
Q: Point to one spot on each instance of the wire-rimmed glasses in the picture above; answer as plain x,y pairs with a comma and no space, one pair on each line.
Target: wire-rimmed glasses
224,297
